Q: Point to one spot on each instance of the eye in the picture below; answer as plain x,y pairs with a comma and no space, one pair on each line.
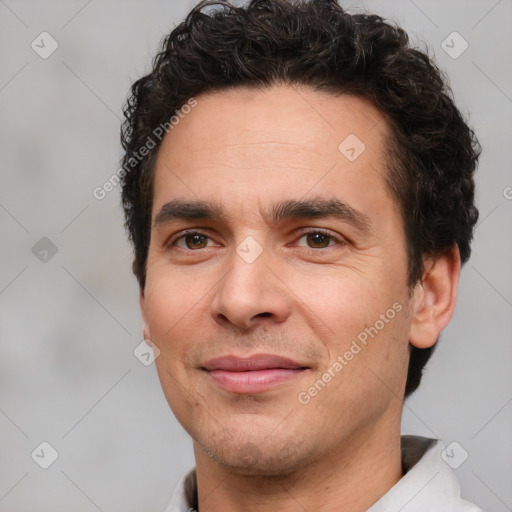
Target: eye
319,239
191,240
314,239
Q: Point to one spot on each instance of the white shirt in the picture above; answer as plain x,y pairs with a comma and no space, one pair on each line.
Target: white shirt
428,485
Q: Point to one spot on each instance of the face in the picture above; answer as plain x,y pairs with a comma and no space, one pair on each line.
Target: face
276,286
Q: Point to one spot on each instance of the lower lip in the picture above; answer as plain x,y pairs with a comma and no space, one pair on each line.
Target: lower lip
256,381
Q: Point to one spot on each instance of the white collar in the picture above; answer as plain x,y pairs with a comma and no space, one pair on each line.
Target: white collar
429,485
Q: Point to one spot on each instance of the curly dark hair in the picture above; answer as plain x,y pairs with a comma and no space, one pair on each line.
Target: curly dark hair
432,152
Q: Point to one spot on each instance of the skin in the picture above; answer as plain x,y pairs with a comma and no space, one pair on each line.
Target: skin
305,297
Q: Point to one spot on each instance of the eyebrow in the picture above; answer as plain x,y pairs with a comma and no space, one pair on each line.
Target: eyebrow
179,209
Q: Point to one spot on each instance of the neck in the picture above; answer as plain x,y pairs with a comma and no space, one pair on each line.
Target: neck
354,476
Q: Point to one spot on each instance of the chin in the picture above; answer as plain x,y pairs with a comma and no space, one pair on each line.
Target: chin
278,458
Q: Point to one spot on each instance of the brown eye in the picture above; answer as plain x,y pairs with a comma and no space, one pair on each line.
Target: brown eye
195,241
318,240
192,241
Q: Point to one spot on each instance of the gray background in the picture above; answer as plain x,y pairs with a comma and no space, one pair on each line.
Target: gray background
70,324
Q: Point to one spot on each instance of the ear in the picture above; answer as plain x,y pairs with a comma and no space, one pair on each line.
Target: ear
146,332
435,298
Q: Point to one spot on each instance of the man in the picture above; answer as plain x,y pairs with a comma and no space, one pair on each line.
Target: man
298,187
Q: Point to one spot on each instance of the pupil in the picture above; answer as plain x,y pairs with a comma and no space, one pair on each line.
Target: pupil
196,240
318,239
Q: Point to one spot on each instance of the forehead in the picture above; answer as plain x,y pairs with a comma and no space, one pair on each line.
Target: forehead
270,142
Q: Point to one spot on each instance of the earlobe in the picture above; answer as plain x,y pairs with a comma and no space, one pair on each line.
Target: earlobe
435,298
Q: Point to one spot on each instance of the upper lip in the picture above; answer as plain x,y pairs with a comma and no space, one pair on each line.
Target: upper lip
255,362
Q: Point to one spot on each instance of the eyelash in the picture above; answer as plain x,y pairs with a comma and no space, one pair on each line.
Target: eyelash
304,233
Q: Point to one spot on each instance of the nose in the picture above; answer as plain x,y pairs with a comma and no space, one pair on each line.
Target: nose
250,294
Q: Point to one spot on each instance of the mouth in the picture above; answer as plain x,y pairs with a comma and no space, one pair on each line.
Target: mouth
255,374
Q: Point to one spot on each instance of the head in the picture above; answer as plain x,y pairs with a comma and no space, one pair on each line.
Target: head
254,124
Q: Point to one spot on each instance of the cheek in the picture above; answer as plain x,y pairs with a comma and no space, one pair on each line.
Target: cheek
174,312
367,321
346,300
366,370
171,302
